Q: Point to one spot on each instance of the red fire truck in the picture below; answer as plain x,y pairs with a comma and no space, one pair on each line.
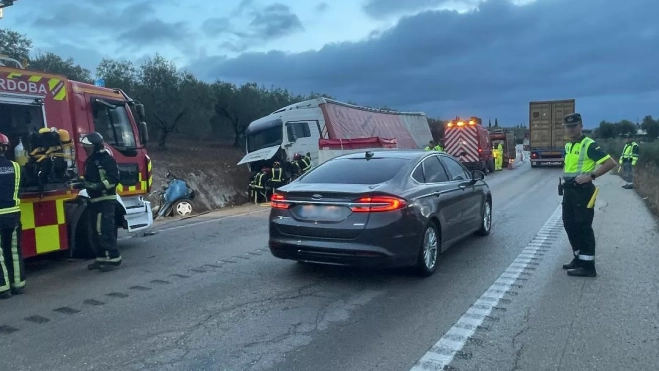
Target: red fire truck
45,116
469,141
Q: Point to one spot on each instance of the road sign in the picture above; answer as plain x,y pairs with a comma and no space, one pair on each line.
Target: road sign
100,83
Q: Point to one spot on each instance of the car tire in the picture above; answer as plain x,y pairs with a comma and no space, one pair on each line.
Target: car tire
486,219
429,251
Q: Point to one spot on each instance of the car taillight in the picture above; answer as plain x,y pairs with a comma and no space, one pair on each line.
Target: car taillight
377,204
278,201
534,155
480,149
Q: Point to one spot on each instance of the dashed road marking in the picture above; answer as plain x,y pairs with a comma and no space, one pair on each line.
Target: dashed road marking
66,310
37,319
450,345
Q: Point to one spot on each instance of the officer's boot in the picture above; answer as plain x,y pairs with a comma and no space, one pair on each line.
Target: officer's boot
17,290
94,265
587,269
5,294
575,263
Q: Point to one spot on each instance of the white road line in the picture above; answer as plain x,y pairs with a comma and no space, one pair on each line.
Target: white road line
441,354
220,218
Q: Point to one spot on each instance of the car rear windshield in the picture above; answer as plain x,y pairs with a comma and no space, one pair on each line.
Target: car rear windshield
356,171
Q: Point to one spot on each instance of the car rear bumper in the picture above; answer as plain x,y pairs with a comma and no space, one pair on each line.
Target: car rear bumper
338,252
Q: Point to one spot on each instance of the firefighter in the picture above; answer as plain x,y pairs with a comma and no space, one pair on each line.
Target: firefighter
496,154
500,158
277,176
101,179
12,270
582,155
628,161
440,146
301,164
430,146
258,186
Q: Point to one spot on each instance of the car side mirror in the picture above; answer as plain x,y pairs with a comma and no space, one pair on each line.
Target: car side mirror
477,175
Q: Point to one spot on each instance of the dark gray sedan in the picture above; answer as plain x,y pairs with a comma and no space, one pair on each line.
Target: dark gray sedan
381,208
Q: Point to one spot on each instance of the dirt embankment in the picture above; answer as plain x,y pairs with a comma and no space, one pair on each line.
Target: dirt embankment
208,166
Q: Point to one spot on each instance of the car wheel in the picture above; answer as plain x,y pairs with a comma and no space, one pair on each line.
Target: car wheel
486,220
183,208
429,251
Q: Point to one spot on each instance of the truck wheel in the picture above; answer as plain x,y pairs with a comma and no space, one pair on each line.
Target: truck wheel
84,247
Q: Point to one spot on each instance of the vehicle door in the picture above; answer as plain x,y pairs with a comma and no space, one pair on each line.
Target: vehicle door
470,194
302,137
444,198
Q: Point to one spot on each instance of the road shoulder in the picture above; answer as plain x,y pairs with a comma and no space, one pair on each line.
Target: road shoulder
610,322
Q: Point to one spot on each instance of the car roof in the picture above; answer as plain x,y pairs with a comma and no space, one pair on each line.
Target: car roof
412,154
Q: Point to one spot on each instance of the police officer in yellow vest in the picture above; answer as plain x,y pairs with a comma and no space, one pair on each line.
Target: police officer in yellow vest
582,155
12,271
628,160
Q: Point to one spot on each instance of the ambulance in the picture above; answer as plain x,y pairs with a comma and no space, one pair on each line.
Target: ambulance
45,117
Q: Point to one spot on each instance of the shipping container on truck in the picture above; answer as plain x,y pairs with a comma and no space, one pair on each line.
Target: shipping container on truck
54,216
547,135
468,141
507,139
300,127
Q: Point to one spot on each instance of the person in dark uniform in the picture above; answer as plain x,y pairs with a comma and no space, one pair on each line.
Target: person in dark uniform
101,179
582,155
258,186
301,164
277,178
12,270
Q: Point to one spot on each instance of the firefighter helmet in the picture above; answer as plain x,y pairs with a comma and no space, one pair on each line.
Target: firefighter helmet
276,164
4,143
93,140
296,156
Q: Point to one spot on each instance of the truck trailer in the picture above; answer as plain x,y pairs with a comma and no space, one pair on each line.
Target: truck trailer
45,117
546,133
300,128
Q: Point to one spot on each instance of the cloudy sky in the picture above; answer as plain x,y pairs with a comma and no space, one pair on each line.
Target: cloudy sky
443,57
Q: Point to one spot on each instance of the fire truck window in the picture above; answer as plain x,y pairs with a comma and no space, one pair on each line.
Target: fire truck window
18,122
113,124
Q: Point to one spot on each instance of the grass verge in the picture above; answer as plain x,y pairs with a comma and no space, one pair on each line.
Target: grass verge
646,172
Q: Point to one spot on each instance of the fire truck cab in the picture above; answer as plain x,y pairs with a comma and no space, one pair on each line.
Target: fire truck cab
45,117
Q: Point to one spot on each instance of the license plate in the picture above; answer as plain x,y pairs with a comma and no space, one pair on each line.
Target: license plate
553,153
317,212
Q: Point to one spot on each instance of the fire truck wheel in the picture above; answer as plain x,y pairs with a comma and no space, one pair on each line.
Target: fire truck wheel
490,166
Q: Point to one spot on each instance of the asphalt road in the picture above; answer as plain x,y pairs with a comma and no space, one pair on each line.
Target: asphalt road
205,294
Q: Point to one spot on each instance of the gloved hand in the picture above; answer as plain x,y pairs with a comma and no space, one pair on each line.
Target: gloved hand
633,163
92,186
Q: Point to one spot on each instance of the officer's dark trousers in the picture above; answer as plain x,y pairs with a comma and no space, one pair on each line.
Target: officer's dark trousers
578,221
105,236
12,270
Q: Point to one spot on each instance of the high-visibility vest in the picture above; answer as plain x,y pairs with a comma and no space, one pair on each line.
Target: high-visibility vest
577,162
277,175
630,152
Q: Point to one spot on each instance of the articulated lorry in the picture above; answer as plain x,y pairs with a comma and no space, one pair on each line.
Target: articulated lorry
546,132
45,117
305,127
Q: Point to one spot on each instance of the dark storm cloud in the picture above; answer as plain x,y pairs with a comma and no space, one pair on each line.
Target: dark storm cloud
266,24
501,55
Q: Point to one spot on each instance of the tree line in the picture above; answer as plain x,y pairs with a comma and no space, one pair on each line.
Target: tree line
622,128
